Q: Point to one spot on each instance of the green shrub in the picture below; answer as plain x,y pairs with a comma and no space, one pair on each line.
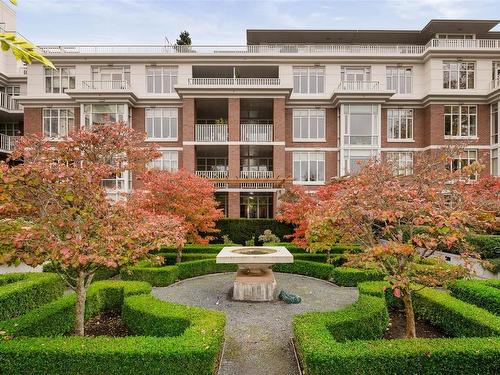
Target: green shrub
380,289
345,276
482,293
156,276
101,273
191,341
242,230
20,293
203,267
318,257
486,245
456,318
195,249
494,265
302,267
170,258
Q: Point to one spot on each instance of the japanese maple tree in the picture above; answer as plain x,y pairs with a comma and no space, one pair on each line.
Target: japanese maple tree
399,220
60,213
185,195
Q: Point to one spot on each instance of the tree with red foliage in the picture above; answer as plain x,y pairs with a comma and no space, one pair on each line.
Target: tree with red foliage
185,195
60,213
399,220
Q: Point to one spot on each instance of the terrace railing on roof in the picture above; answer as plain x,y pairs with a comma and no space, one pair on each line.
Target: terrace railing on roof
276,49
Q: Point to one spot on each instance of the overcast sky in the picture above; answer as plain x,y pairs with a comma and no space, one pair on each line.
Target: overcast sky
224,22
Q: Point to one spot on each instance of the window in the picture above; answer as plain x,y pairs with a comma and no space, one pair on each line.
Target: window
11,90
402,162
161,79
361,124
308,124
60,79
10,128
399,79
117,184
494,162
466,158
494,123
161,123
458,75
104,113
257,206
355,73
57,122
309,166
460,121
399,124
309,79
168,161
110,77
212,164
455,36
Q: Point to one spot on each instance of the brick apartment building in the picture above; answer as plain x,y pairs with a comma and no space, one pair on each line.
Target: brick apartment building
290,107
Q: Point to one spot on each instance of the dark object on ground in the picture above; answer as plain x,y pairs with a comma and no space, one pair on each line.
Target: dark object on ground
397,328
289,297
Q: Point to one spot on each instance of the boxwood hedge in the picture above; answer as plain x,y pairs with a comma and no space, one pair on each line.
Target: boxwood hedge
21,292
174,339
482,293
348,341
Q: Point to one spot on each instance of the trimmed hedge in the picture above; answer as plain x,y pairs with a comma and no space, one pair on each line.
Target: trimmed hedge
303,267
488,245
100,274
345,276
188,339
242,230
156,276
482,293
21,292
347,341
203,267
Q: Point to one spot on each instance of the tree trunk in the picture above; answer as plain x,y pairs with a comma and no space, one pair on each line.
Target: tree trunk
81,297
328,256
179,254
410,314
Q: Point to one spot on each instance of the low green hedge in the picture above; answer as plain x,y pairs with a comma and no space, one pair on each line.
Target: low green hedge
242,230
21,292
203,267
456,318
482,293
345,276
488,245
347,341
303,267
187,340
156,276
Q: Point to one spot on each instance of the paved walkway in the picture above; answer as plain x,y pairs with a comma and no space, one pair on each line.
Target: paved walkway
21,268
258,334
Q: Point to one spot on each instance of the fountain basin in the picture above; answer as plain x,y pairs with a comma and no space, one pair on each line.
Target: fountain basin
254,279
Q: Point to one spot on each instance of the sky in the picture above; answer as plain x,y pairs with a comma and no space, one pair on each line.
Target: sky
224,22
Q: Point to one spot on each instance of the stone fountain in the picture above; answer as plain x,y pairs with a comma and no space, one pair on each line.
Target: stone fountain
254,279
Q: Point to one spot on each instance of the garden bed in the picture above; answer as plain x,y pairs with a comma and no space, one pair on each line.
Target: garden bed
108,323
397,327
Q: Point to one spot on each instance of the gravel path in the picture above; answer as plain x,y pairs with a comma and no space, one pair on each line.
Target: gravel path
258,334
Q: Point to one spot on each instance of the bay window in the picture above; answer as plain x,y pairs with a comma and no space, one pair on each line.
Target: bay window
161,123
309,79
460,121
308,125
399,124
309,166
57,122
361,124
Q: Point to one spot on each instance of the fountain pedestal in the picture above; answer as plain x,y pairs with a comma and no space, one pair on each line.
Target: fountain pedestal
254,279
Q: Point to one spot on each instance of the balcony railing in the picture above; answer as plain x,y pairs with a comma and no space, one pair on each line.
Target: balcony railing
278,49
361,86
8,102
213,175
7,142
211,133
252,175
256,132
105,85
233,81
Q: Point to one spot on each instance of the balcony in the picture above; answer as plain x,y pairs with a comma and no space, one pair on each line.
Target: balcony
256,175
105,85
213,175
359,86
211,132
278,49
8,103
255,132
7,143
251,82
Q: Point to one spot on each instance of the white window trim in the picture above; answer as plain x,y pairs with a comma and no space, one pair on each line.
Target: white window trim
69,127
300,182
458,88
162,92
388,67
401,140
162,150
162,139
309,67
451,137
309,140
